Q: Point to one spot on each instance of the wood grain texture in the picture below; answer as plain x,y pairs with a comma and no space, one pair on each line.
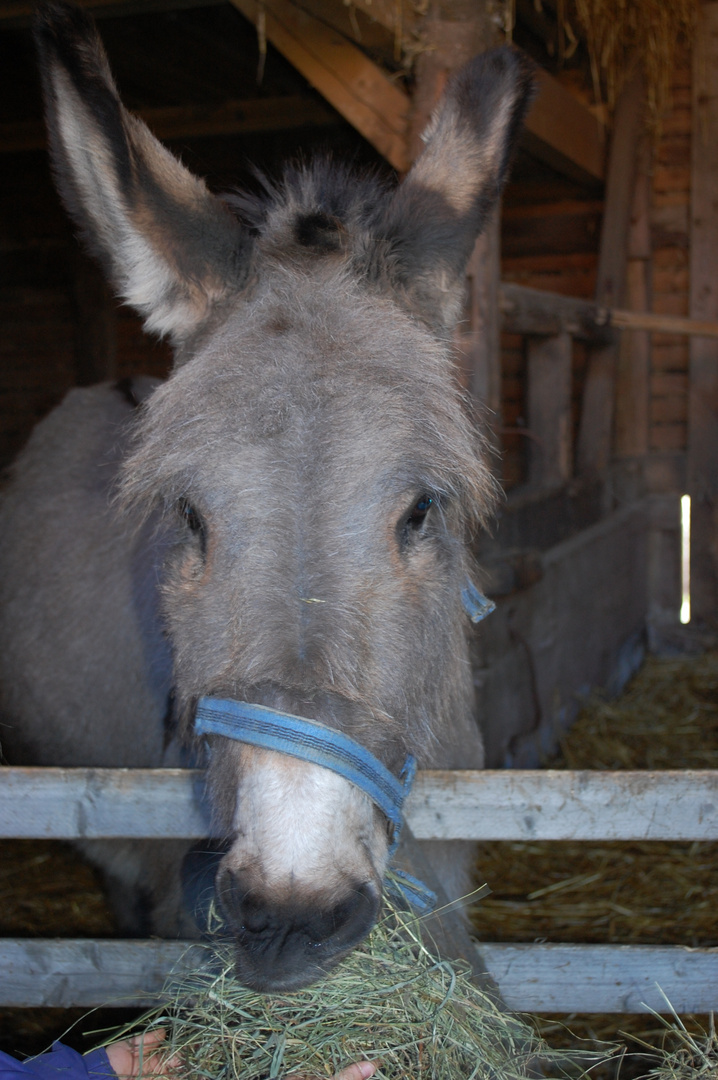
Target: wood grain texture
535,977
604,978
561,131
597,412
549,409
356,87
490,804
702,464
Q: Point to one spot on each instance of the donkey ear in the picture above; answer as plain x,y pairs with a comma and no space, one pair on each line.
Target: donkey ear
171,248
438,212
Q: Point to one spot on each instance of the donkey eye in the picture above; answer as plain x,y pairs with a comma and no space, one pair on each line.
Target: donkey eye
418,512
415,519
189,515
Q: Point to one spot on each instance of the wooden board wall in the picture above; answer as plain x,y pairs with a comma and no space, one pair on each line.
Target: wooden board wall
702,461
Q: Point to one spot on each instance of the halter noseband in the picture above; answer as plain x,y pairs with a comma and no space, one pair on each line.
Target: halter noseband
310,741
314,742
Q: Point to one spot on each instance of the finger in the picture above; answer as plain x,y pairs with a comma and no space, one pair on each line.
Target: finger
149,1040
359,1070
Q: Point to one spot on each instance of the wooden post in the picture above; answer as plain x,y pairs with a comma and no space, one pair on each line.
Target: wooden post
594,438
702,464
549,411
634,349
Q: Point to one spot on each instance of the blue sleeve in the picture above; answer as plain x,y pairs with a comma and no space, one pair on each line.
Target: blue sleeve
61,1063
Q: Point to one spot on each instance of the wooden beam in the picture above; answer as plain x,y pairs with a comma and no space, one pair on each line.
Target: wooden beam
562,132
547,978
490,804
537,312
355,86
634,349
596,426
536,977
549,411
64,973
197,121
20,12
702,463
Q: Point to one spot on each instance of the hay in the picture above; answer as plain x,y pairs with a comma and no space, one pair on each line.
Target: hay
392,1000
618,892
624,34
685,1055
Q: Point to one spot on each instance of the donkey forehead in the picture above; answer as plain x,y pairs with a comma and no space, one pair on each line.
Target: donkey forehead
313,376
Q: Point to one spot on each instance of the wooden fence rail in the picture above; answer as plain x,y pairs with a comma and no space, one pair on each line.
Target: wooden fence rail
487,805
501,804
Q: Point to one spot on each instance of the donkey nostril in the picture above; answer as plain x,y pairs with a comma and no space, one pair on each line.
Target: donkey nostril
352,918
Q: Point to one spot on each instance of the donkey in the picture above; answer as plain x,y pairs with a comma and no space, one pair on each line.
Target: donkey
285,521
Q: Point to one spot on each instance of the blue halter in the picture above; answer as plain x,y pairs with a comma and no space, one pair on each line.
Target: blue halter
314,742
310,741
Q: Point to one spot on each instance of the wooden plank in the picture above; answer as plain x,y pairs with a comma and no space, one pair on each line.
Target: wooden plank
702,463
539,312
549,410
532,977
444,805
634,347
69,972
664,324
196,121
556,805
595,429
561,131
604,978
355,86
65,803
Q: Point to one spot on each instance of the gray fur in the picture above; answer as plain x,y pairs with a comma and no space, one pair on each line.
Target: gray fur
258,528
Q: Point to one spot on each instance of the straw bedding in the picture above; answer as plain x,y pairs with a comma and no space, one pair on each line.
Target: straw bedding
633,893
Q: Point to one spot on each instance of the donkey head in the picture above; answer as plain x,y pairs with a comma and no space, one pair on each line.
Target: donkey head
313,462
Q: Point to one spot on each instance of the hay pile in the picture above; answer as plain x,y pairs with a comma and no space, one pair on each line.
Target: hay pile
685,1056
619,892
624,34
391,1000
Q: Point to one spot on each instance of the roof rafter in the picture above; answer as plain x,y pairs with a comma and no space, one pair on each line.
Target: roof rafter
353,84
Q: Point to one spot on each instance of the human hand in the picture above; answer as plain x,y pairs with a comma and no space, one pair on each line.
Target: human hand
358,1070
138,1057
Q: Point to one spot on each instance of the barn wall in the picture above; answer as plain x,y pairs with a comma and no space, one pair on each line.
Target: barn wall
669,217
579,626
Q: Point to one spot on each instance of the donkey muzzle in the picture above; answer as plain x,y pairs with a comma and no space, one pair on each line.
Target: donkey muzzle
286,945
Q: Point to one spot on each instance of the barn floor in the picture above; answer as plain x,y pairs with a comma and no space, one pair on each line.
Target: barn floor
600,892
